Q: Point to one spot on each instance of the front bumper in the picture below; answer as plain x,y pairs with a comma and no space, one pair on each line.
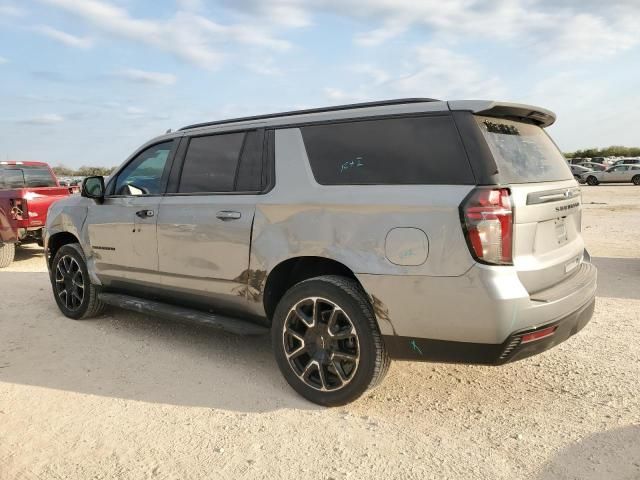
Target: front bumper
512,349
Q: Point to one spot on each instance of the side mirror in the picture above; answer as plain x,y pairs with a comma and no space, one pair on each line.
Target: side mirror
93,187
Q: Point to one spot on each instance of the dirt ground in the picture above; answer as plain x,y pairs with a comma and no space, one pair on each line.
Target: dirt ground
127,396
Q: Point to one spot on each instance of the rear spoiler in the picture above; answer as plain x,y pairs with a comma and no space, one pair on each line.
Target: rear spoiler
520,111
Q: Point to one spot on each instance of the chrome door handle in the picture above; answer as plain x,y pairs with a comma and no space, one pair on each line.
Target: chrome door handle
228,215
145,213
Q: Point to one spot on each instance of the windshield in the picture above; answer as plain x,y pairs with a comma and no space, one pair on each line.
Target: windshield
523,152
20,176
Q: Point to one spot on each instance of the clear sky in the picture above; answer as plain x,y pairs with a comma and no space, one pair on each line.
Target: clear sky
84,82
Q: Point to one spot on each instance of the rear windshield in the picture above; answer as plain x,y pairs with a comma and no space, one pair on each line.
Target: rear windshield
523,152
20,176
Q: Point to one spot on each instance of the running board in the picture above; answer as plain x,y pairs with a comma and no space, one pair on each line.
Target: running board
173,312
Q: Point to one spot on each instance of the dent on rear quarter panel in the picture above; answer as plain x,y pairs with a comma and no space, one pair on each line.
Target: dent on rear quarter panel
349,224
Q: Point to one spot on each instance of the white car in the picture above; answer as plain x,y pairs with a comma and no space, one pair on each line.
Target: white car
617,174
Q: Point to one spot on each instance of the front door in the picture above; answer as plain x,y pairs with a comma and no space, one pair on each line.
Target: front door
122,230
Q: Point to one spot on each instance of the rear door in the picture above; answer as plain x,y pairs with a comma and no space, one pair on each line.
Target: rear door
204,223
122,229
547,204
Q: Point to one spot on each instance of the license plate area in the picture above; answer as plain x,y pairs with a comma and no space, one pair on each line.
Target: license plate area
560,228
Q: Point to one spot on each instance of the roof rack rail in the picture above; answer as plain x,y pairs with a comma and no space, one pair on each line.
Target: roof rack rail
336,108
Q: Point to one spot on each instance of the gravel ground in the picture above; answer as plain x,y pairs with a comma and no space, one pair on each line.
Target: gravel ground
127,396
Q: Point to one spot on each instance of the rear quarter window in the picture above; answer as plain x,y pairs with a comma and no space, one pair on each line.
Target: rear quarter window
401,151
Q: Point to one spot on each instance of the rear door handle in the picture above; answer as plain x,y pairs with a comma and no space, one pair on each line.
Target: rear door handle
228,215
145,213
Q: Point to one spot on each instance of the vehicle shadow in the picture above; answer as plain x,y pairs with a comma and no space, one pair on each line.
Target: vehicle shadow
128,355
610,184
618,277
611,455
28,252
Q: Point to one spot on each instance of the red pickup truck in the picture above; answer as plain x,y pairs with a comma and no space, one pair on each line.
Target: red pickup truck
26,191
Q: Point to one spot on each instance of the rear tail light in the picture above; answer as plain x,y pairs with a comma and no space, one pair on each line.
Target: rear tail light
18,209
487,219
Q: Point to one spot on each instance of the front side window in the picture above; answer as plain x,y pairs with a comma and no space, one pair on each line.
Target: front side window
143,175
400,151
210,163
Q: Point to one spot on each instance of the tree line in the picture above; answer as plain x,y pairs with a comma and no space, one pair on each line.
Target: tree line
613,151
84,171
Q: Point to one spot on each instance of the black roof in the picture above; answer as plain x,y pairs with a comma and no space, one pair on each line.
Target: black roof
382,103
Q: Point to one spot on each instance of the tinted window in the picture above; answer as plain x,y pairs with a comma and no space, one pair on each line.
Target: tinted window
421,150
20,176
523,152
143,175
210,163
250,170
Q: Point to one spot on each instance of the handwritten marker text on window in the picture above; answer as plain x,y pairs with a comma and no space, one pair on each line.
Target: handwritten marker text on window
351,164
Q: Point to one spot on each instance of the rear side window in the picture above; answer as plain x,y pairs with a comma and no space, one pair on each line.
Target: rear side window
210,163
224,163
402,151
523,152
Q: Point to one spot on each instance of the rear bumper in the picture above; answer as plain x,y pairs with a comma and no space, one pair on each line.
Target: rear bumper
512,349
486,305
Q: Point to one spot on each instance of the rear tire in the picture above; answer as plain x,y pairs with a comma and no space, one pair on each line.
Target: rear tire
7,254
636,180
593,181
326,340
73,291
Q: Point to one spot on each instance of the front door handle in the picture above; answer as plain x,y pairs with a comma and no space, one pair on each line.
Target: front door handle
145,213
228,215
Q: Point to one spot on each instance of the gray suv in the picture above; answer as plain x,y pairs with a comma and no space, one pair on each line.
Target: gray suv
411,229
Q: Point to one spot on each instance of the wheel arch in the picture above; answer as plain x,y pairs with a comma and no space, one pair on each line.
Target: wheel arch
294,270
56,241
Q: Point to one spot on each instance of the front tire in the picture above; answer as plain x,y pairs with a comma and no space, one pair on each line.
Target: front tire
74,293
327,342
7,254
591,180
636,180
